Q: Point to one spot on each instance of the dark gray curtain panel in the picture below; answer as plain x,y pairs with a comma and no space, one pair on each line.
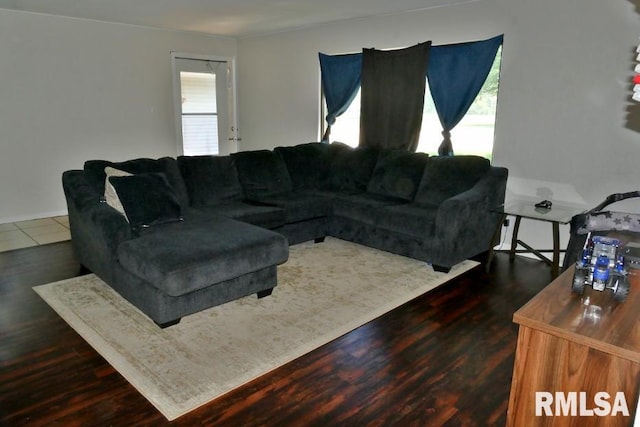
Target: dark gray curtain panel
392,96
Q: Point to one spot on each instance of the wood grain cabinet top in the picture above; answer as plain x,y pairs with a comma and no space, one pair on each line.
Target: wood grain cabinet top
593,319
579,346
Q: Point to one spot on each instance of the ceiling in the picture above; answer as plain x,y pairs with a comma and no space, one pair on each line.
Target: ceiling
233,18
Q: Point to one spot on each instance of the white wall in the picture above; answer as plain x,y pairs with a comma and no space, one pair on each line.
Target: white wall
279,104
562,108
72,90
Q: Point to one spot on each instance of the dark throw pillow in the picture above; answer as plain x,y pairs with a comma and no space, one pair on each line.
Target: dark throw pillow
95,173
147,199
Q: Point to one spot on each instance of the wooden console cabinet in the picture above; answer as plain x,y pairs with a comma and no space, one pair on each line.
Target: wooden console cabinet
569,343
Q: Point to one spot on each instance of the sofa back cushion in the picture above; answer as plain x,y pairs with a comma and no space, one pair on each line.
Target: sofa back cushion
446,176
262,174
350,169
210,180
397,174
308,164
95,174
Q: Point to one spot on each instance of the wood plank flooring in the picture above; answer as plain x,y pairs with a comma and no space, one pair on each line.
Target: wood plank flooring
443,359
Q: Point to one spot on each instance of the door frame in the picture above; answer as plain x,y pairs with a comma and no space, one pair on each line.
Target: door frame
224,147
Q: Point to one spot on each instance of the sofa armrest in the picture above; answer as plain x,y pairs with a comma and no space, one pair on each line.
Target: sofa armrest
467,215
96,228
109,225
460,212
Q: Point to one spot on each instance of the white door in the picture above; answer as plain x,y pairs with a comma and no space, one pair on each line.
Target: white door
204,102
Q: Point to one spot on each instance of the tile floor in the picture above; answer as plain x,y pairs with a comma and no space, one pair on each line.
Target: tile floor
17,235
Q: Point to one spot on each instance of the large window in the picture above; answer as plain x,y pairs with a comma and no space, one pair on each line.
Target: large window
473,135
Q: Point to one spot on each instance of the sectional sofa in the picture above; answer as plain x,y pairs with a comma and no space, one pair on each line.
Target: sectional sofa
177,235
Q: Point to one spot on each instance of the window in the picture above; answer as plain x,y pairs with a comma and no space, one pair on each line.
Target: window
199,113
204,103
473,135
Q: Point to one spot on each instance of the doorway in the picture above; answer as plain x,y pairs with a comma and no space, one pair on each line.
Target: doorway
204,104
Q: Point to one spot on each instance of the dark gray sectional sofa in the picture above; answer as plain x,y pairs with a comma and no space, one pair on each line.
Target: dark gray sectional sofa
198,231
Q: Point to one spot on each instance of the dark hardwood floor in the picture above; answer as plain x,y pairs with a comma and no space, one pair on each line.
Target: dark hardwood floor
445,358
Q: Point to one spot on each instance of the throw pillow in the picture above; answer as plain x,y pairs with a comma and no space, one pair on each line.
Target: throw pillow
110,195
147,198
94,171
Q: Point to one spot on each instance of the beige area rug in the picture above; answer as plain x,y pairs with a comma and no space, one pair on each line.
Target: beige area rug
325,290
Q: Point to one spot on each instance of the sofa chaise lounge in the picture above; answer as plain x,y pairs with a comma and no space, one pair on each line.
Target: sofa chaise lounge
191,232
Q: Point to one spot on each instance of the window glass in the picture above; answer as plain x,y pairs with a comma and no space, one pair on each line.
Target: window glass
198,92
199,113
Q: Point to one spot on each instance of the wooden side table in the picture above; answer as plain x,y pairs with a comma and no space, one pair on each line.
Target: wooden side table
572,343
558,214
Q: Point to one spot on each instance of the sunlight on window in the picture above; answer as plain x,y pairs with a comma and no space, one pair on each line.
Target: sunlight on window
199,113
473,135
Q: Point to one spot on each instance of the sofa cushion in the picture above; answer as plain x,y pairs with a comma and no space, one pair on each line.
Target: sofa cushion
257,214
94,170
362,207
262,173
447,176
188,256
397,174
301,206
210,180
409,219
350,169
147,198
308,164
